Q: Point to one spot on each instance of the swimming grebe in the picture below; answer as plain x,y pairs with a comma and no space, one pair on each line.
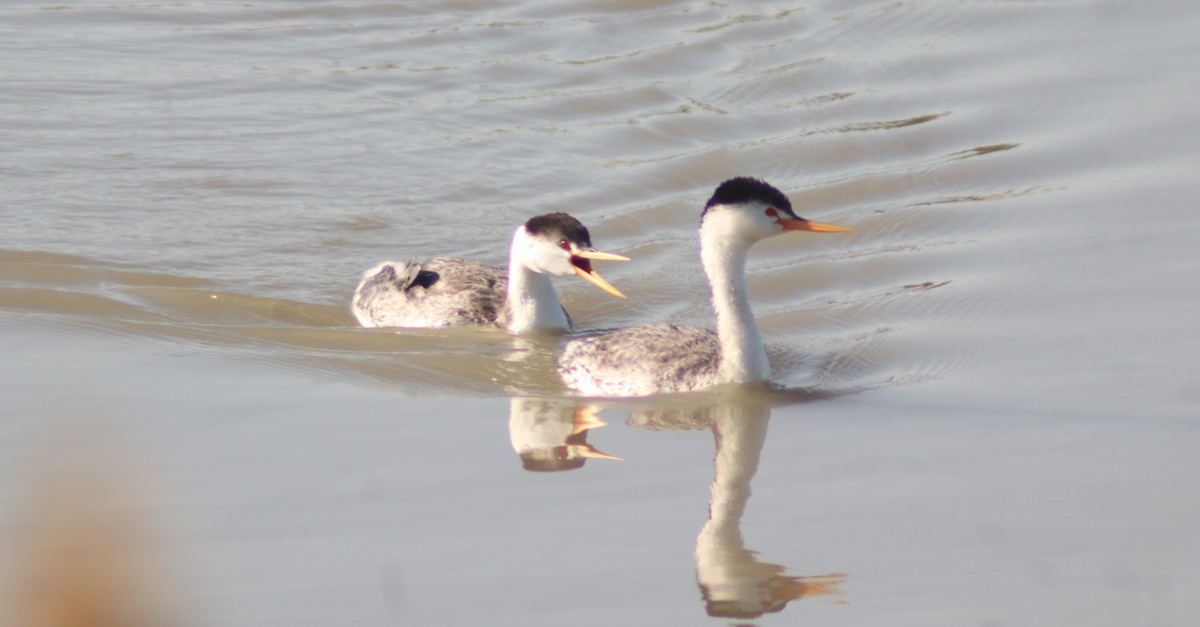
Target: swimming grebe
658,358
449,291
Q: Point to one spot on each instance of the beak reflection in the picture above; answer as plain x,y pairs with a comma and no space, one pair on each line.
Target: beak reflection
550,435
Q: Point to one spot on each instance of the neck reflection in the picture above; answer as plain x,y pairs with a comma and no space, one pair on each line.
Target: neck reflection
733,582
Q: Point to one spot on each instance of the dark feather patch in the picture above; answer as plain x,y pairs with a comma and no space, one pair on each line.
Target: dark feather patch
743,189
559,226
425,279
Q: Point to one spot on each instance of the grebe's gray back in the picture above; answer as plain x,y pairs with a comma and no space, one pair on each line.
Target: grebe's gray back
449,291
659,358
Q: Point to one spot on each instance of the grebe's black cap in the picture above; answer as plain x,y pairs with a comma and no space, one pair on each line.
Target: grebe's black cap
748,189
559,226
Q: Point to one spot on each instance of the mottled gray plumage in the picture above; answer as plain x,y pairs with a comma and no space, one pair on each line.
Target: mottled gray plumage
450,291
648,359
442,292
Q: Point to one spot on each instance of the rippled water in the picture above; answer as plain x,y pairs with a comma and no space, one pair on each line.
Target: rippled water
993,404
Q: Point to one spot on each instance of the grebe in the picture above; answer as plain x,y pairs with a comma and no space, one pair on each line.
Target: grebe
449,291
661,358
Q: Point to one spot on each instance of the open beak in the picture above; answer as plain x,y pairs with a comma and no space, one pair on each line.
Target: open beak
585,418
583,267
800,224
595,254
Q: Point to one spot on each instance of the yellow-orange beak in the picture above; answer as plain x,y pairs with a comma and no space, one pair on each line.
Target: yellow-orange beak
588,451
583,268
792,588
800,224
595,254
585,418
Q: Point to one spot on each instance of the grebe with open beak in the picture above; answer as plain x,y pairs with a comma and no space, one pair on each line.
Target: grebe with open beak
450,291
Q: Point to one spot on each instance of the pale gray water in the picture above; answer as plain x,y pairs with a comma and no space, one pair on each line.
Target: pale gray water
1001,356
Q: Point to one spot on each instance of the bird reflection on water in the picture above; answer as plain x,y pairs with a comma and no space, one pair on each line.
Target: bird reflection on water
550,435
733,582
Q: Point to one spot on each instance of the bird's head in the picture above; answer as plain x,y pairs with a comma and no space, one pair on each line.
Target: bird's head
746,210
559,245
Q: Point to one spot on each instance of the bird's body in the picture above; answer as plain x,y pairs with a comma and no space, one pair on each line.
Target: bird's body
441,292
450,291
642,360
654,359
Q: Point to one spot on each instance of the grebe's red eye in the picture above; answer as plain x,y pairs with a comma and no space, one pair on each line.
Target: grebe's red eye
771,212
564,244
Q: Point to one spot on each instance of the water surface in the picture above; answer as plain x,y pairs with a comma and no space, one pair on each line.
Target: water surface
990,417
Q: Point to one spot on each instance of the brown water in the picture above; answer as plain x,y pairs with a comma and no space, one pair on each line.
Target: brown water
991,418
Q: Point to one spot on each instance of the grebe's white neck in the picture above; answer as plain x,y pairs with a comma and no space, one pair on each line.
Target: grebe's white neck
723,248
532,302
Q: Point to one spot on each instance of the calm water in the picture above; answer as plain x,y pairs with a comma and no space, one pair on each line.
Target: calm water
992,417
